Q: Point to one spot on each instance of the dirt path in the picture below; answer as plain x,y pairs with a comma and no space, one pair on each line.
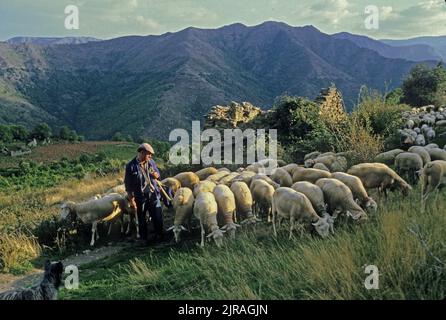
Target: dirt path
8,281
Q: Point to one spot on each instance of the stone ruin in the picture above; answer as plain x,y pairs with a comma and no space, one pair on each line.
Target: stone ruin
231,116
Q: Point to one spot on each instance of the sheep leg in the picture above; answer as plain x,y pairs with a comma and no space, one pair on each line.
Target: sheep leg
202,234
291,227
274,219
93,231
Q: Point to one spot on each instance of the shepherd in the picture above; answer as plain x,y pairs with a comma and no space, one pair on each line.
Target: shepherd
144,192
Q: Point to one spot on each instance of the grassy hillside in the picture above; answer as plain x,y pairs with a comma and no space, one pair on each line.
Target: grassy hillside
406,246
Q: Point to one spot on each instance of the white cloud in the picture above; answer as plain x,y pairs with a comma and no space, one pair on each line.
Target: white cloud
147,22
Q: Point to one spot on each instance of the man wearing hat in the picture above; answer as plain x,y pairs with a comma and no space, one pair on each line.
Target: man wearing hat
143,191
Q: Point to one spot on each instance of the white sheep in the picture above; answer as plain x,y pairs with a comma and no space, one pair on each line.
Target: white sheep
310,175
204,186
183,203
378,175
128,217
187,179
282,177
422,152
226,208
290,168
172,183
388,157
432,145
316,197
264,177
311,155
205,210
436,153
340,199
433,177
358,190
245,176
288,203
205,172
262,195
96,210
243,202
408,163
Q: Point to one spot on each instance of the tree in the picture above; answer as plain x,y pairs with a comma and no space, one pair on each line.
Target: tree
64,133
425,86
5,134
19,132
41,132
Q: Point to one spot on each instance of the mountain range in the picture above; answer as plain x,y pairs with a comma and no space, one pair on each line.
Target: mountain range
149,85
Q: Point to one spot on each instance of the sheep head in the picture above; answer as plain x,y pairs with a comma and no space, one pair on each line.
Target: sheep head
230,229
371,205
177,231
404,187
330,221
217,235
322,227
66,210
359,216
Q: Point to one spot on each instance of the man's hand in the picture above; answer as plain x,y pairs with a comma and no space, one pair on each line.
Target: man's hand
155,175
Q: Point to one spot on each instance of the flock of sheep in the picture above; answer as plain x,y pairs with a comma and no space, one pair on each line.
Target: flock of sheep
311,196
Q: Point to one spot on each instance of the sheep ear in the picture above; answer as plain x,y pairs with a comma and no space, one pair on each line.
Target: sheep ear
314,223
184,229
224,227
357,201
237,225
170,228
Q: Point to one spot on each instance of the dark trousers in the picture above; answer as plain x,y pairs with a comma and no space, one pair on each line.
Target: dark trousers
156,213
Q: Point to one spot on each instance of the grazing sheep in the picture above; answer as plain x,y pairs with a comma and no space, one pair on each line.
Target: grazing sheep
316,197
172,183
327,160
205,172
358,190
436,153
340,199
217,176
339,165
321,166
243,201
433,177
227,180
282,177
408,163
288,203
204,186
187,179
388,157
378,175
183,203
263,176
129,217
205,210
226,208
224,170
96,210
430,134
262,196
310,175
421,152
118,189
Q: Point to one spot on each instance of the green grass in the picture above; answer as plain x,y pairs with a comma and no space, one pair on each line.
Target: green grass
257,266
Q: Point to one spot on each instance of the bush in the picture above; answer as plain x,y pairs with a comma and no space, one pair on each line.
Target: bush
41,132
5,134
425,86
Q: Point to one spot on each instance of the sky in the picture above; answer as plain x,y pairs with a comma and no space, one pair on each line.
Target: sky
105,19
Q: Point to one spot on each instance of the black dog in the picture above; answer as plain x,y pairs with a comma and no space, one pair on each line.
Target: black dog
46,290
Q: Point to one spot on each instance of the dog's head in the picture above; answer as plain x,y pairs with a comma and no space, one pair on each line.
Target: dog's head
53,272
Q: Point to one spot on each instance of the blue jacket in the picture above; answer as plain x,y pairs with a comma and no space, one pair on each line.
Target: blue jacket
134,179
